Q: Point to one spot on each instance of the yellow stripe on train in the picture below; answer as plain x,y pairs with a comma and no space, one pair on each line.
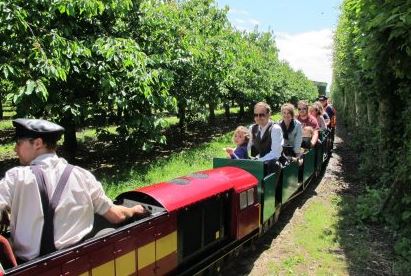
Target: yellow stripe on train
166,245
146,255
126,264
104,269
163,247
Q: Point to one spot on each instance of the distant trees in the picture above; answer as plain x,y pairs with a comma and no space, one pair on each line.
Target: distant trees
125,62
371,88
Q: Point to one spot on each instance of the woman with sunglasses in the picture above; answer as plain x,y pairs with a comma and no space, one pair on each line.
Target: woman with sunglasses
308,120
266,141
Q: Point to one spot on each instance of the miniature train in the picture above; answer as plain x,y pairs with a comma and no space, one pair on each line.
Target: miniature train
194,222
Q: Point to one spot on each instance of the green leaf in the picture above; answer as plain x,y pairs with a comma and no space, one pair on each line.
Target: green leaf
30,85
406,215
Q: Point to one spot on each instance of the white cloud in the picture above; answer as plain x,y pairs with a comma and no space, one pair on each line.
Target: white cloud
238,12
241,20
310,52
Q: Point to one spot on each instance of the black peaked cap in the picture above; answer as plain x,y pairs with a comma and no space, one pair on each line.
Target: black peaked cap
37,128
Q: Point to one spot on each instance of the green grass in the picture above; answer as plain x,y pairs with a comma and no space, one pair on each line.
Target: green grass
178,164
314,244
171,120
88,134
317,236
5,124
276,117
7,151
327,241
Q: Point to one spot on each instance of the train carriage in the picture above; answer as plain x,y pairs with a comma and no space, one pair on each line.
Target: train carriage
194,222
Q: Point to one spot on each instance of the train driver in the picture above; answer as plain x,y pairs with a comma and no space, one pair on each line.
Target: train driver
266,141
35,186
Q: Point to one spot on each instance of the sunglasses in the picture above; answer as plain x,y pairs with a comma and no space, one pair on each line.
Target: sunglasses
259,115
300,109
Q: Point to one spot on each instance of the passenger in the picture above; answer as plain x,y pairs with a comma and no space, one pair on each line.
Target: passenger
329,109
292,131
266,141
308,120
316,110
26,189
308,133
240,138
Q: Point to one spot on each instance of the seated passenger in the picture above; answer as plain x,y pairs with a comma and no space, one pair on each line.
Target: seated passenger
240,138
292,132
26,189
328,108
308,133
316,110
266,141
308,120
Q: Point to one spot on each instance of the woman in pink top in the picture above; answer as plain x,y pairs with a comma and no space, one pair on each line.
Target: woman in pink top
308,120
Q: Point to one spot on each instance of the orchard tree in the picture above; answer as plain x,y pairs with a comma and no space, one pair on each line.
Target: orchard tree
70,61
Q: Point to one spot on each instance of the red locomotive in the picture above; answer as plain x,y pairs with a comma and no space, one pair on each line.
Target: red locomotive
194,221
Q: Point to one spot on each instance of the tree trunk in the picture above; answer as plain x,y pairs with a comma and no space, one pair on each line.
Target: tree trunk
1,106
241,114
371,111
119,115
357,108
181,105
70,140
227,110
385,119
345,111
211,117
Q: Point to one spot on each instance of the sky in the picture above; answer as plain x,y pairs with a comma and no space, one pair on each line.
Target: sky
303,30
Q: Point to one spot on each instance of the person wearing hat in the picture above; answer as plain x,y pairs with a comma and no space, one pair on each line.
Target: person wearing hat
70,195
329,109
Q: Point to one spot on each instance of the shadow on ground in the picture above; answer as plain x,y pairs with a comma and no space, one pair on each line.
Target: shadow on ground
367,247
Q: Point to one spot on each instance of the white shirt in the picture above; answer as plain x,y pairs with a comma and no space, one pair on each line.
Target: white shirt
74,215
277,141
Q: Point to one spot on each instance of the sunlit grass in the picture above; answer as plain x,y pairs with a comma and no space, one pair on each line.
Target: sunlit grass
5,124
7,151
171,120
179,164
88,134
314,243
276,117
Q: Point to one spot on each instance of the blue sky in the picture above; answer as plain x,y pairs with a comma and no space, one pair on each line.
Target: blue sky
303,29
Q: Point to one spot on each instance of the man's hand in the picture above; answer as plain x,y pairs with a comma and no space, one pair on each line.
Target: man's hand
139,210
118,213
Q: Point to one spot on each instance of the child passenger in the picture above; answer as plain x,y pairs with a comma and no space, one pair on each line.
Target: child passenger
240,138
